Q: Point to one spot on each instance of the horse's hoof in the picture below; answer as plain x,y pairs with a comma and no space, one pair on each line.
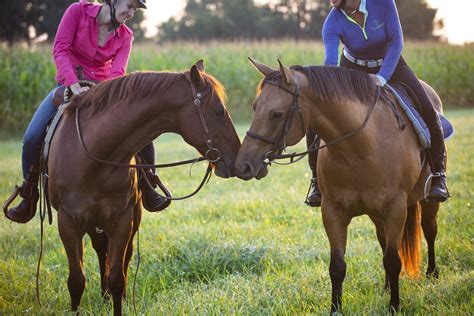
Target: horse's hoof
106,295
432,274
394,309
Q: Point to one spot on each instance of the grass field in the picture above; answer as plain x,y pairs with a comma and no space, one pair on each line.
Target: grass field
249,248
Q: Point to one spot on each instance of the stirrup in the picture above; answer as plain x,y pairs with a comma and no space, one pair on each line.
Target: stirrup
10,200
428,190
314,182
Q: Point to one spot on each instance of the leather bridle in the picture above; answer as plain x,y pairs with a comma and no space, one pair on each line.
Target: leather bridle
279,144
198,96
197,100
212,154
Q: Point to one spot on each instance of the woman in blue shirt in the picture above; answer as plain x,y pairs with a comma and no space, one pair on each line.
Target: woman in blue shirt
372,36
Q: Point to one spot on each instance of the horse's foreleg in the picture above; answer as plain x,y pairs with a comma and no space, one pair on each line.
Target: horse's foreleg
137,216
118,243
379,228
72,241
430,229
100,242
394,223
336,228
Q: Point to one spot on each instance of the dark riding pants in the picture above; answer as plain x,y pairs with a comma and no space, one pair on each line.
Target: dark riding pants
404,74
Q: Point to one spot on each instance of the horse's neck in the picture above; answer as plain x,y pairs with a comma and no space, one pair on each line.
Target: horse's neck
334,121
118,133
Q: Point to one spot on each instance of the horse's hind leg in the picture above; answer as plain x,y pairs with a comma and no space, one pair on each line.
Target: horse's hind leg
100,244
72,241
118,243
430,229
336,228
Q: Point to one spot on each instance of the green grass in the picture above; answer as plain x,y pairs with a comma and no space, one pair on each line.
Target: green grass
27,75
248,248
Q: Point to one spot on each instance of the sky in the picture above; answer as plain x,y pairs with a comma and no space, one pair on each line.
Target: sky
457,16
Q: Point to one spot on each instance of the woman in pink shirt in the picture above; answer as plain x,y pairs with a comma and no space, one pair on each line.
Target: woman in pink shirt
95,38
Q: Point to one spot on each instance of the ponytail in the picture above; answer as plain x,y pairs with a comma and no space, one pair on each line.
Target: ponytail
113,19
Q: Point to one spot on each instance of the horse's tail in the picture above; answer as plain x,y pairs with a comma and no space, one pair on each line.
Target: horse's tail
410,250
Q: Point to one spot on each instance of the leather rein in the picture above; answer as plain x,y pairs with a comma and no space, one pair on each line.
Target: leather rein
279,143
212,154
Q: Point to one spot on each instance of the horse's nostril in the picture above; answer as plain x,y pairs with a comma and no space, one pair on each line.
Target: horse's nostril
247,169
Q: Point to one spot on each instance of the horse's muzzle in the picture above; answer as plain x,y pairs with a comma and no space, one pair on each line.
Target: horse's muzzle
246,171
223,170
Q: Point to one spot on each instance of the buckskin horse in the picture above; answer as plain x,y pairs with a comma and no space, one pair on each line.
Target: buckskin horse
116,119
368,167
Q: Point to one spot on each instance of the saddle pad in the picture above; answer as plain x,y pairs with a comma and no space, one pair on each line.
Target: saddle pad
416,119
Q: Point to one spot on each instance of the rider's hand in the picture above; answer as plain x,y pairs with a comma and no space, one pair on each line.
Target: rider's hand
376,80
77,89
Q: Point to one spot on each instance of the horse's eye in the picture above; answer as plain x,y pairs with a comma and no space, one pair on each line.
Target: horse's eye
220,112
276,115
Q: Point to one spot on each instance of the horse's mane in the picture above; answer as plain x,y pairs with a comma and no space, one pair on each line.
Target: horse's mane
333,84
218,87
132,88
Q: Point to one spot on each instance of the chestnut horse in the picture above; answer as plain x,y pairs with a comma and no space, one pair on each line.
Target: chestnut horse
117,118
369,167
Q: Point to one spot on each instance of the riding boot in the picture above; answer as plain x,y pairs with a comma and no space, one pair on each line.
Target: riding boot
151,200
313,198
439,189
26,210
314,195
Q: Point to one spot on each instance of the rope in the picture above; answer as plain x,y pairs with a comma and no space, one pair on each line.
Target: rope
136,271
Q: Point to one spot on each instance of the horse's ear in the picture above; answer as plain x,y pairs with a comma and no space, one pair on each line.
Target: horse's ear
286,74
263,69
200,65
196,77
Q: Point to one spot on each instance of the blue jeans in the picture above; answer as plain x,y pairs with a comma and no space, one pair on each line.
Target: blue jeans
36,131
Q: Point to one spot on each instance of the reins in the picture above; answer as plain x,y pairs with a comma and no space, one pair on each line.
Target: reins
337,140
212,154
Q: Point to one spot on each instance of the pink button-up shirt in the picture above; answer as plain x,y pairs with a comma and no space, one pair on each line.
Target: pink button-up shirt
76,43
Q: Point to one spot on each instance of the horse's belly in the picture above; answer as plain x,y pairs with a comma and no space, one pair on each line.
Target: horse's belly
363,188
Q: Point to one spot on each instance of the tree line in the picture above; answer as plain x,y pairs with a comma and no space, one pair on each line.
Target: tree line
27,20
299,19
31,20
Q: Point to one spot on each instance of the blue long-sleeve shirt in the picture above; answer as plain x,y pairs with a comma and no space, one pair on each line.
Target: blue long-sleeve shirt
380,37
